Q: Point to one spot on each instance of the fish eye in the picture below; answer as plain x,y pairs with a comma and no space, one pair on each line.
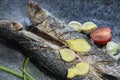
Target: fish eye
6,24
36,7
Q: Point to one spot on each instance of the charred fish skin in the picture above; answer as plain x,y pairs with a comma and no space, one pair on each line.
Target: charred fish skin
59,30
43,52
47,54
37,15
36,49
51,26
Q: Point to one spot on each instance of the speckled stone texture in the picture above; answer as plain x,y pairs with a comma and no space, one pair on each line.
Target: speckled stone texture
101,12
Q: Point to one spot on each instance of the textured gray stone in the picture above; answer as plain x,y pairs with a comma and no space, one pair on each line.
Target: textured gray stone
101,12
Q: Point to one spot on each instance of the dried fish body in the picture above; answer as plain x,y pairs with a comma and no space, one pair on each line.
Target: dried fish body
46,53
50,25
40,50
60,31
37,48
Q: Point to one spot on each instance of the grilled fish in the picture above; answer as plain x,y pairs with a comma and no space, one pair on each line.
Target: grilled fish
45,51
45,22
47,54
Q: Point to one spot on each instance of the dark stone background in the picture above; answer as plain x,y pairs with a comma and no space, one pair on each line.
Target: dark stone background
101,12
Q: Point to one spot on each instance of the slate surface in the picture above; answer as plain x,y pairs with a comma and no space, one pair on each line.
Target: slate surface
101,12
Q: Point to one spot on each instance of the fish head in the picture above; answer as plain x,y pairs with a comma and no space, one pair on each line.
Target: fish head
10,25
36,13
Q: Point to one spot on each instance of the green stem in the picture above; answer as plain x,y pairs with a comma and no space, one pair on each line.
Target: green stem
25,67
11,71
28,75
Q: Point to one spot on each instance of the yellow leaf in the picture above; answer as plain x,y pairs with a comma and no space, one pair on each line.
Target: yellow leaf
71,73
79,45
67,54
82,68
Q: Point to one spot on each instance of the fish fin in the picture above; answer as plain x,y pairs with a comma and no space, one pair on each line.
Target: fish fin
104,62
